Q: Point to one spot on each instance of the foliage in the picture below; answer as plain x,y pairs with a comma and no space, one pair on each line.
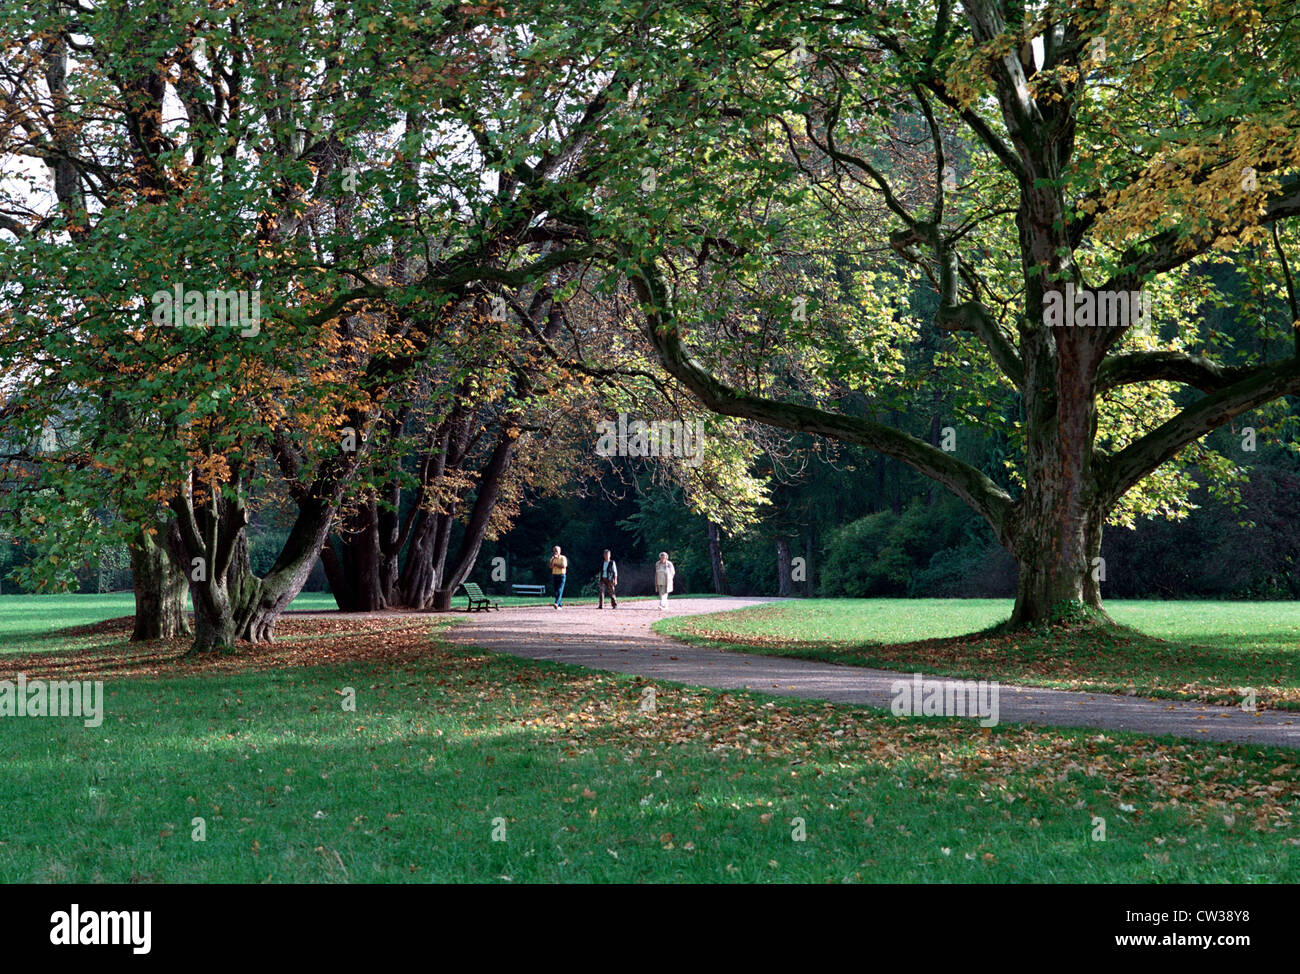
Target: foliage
879,554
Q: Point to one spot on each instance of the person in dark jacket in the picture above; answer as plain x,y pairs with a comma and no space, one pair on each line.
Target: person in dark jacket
607,581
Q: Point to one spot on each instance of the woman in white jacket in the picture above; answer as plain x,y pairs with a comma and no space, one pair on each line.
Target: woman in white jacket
664,572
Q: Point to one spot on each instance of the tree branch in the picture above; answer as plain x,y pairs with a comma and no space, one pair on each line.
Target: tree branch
1192,370
1169,249
1119,472
972,486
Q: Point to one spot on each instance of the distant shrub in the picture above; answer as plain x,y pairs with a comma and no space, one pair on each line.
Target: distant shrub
979,568
884,553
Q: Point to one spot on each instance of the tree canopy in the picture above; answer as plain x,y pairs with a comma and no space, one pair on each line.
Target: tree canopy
334,253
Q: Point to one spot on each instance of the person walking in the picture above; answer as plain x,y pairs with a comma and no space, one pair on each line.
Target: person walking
559,571
607,581
664,573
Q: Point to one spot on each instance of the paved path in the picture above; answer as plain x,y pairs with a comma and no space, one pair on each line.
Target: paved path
621,640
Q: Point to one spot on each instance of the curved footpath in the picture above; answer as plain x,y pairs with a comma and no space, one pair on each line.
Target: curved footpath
621,640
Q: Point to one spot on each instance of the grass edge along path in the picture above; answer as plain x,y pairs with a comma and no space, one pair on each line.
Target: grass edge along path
1217,667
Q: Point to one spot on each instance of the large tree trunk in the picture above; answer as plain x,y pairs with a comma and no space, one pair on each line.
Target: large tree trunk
225,604
336,576
784,569
210,533
266,599
1060,574
485,501
1055,561
216,616
214,625
237,604
809,588
419,578
715,560
364,552
1059,517
426,557
230,602
160,586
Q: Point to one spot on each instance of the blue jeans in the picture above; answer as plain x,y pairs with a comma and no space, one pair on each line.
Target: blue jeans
559,588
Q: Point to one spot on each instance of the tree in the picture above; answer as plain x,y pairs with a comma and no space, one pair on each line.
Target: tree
282,178
1107,156
825,214
457,449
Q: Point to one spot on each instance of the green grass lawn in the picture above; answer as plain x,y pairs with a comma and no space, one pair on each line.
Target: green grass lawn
29,623
35,617
1192,650
446,745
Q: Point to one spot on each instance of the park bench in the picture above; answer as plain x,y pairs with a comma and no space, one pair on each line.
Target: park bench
528,589
476,599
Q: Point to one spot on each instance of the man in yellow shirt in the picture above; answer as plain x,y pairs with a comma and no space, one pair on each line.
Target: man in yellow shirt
559,570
